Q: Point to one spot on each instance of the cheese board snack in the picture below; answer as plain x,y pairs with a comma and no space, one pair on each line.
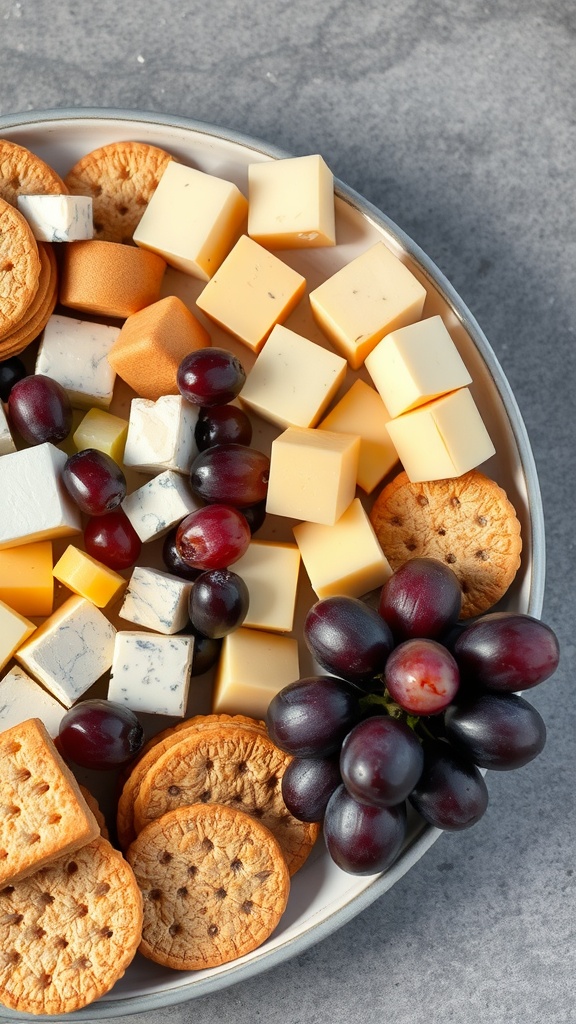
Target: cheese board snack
19,265
22,172
38,311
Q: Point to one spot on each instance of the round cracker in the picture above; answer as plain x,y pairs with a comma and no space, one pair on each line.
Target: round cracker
19,267
22,173
121,178
467,522
40,309
214,882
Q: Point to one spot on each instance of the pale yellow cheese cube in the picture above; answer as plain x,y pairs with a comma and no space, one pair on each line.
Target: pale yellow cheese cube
293,380
254,665
291,203
415,364
270,571
26,580
366,299
442,439
312,474
14,630
103,431
192,220
361,411
87,577
251,292
345,558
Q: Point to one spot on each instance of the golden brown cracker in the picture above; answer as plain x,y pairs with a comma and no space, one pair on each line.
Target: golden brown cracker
96,811
23,173
40,309
19,267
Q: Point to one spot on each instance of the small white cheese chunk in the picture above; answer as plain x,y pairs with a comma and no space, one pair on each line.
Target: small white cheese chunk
156,600
161,434
55,218
270,571
254,665
35,504
75,353
361,411
158,505
291,203
151,673
21,696
14,630
312,474
6,440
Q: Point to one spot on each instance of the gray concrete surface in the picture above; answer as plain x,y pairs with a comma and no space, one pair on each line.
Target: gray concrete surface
458,119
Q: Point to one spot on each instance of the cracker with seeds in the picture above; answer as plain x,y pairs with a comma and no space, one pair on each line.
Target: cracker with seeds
23,173
40,309
19,267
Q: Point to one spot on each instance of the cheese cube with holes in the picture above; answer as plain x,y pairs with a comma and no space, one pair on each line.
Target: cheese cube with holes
291,203
6,440
87,577
361,411
156,600
254,665
35,504
14,630
150,673
55,218
293,380
158,505
161,434
103,431
19,694
270,571
70,650
345,558
366,299
75,353
312,474
251,292
26,580
192,220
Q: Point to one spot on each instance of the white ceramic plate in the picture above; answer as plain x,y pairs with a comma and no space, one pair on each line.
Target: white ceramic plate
323,898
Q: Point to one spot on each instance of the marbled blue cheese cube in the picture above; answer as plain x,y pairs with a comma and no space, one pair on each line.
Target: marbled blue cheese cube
156,600
151,673
158,505
161,435
34,503
75,353
55,218
21,696
6,440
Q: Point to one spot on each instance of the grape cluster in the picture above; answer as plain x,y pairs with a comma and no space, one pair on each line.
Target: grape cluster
414,703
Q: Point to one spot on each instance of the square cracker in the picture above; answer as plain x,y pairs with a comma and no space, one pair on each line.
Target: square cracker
43,812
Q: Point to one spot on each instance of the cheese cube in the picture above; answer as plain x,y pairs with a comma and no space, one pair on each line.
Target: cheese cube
345,558
254,665
291,203
156,600
361,411
70,650
158,505
251,292
14,630
20,696
366,299
415,364
312,474
293,380
151,673
103,431
6,440
35,503
26,580
161,434
55,218
87,577
270,571
442,439
75,353
192,220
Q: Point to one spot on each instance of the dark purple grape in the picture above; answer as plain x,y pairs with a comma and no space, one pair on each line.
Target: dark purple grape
100,734
255,515
422,598
205,653
94,481
40,410
500,731
210,376
422,677
310,717
113,540
212,537
308,784
231,474
348,638
363,839
11,371
451,793
172,559
507,651
218,602
222,424
381,761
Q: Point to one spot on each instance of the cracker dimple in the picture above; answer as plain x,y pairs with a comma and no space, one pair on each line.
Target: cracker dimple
19,266
26,174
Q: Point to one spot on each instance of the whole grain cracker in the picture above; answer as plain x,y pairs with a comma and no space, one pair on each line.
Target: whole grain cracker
69,931
19,266
40,309
23,173
467,522
121,178
214,882
96,811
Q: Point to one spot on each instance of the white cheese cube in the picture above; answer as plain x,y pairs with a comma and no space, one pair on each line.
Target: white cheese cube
254,665
35,504
75,353
156,600
70,650
20,696
161,434
361,411
14,630
270,571
158,505
312,474
291,203
6,440
151,673
55,218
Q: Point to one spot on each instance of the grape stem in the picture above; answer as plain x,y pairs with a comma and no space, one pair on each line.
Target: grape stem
390,707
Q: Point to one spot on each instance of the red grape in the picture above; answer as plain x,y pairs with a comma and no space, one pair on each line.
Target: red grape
94,481
501,731
422,677
310,717
113,540
100,734
210,376
451,793
11,371
505,651
218,602
308,784
212,537
363,839
348,638
172,559
381,761
231,474
40,410
222,424
421,598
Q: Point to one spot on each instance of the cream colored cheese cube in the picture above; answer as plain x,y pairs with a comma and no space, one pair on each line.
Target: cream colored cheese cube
442,439
270,571
6,440
254,665
21,696
14,630
291,203
293,380
366,299
192,220
34,503
251,292
415,364
345,558
312,474
102,430
361,411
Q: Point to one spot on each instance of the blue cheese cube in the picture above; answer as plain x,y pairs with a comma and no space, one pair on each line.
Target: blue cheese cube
156,600
161,435
158,505
55,218
75,353
151,673
20,696
35,504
